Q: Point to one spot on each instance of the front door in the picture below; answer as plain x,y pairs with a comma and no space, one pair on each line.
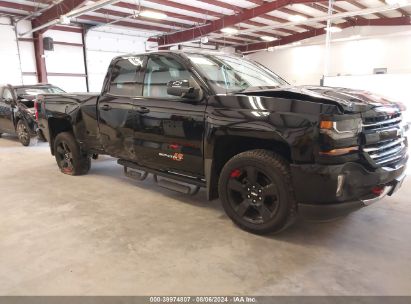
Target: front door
116,107
6,111
169,129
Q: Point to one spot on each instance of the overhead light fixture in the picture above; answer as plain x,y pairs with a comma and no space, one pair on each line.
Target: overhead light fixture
64,20
270,49
297,18
355,36
268,38
153,15
396,2
229,30
204,39
333,29
296,43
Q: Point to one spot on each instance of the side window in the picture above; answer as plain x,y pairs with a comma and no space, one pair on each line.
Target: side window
7,94
160,70
125,75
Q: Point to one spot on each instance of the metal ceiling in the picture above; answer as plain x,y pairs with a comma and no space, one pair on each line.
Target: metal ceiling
188,20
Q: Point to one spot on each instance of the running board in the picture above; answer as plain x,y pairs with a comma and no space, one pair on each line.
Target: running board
176,186
134,174
172,181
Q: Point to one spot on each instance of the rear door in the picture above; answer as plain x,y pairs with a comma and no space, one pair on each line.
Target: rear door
6,110
116,106
169,129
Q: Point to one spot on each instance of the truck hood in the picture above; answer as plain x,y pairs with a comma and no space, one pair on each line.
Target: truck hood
349,100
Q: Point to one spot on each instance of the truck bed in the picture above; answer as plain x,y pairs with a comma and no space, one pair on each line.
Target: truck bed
72,107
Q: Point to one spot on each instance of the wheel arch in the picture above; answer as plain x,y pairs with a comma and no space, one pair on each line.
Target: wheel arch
57,126
226,147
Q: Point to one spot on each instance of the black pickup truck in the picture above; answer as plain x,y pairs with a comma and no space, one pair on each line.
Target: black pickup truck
268,150
17,114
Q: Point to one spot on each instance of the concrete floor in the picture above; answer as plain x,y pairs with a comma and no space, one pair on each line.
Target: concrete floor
104,234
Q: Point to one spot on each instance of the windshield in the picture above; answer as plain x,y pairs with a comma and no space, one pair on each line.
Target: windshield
34,91
230,74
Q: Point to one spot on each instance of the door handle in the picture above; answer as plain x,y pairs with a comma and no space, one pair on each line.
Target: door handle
143,110
105,107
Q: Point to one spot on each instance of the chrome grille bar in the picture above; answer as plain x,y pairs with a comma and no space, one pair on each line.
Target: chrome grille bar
391,144
383,122
391,159
387,153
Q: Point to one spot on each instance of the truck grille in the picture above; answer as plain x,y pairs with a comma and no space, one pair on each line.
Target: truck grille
384,152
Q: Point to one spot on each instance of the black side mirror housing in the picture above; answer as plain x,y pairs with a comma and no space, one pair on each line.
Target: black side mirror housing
182,88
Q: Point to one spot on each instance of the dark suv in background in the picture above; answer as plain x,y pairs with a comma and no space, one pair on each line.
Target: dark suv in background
17,113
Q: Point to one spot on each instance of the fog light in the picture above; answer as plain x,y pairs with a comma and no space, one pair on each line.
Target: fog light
340,184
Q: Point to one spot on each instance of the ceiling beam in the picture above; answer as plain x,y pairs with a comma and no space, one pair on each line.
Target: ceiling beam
320,7
293,12
128,24
281,20
19,6
11,14
222,4
258,24
168,13
114,13
110,12
362,6
400,10
56,11
404,20
317,32
187,8
226,21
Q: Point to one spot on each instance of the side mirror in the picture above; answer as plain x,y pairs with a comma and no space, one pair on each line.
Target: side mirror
182,88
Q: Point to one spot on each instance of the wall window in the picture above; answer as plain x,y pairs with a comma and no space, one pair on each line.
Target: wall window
125,76
160,70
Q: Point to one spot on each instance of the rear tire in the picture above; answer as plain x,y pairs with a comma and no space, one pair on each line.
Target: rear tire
24,135
256,192
68,155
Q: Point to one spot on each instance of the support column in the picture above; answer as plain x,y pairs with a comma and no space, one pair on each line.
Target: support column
40,60
327,54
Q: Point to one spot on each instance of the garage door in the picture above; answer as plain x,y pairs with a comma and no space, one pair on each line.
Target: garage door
102,46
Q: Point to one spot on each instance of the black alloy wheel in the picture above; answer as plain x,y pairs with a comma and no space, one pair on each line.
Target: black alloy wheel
256,191
69,157
64,158
253,195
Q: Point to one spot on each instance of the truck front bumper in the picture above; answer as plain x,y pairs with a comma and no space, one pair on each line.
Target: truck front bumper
329,191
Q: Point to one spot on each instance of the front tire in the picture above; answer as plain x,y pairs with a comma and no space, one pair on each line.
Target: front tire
256,192
23,134
68,155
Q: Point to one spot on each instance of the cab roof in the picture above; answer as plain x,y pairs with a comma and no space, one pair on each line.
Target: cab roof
181,52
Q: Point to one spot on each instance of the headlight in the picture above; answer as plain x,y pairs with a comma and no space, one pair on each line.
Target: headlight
341,129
